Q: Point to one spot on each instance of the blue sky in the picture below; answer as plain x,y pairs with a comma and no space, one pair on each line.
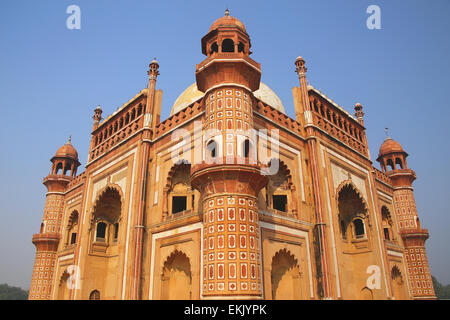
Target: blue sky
52,78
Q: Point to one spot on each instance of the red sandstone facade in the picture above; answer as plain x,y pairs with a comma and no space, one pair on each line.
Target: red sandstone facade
165,213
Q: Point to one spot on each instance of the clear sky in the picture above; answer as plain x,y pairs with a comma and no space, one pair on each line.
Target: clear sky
52,78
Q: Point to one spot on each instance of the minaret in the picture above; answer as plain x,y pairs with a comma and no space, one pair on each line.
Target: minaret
150,120
151,109
65,163
320,235
392,159
229,178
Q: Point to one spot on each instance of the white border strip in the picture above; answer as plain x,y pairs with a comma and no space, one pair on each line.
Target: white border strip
333,241
394,253
67,257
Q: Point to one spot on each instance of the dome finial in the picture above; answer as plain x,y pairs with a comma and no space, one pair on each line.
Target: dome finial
70,140
387,133
227,12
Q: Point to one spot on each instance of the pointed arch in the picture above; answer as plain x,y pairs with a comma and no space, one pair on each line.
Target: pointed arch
285,276
398,284
180,166
63,289
94,295
104,244
386,221
366,294
176,277
72,228
107,198
73,218
178,195
280,189
352,210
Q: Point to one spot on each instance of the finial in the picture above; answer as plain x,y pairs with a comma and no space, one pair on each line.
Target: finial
387,133
70,140
227,12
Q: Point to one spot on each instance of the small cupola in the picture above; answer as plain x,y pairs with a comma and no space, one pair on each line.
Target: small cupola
65,161
226,35
391,156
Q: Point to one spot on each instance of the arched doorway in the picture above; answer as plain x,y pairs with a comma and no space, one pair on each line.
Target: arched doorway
176,276
285,277
105,239
398,285
63,288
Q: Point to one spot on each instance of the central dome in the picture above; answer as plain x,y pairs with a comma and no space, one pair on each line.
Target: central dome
192,94
227,21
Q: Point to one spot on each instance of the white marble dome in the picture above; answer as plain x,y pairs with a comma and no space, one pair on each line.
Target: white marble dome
192,94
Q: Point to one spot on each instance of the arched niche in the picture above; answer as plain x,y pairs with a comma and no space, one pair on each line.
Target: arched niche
176,277
178,195
279,193
72,228
352,212
285,276
63,287
105,248
387,223
398,284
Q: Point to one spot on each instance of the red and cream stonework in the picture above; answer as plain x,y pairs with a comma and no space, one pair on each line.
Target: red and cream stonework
184,209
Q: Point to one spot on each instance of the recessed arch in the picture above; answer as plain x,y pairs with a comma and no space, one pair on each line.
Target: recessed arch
212,149
176,277
352,210
398,284
386,220
214,47
280,190
108,203
72,228
285,276
228,45
241,47
94,295
63,288
178,195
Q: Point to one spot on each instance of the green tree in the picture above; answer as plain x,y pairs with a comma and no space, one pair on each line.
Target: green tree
442,292
12,293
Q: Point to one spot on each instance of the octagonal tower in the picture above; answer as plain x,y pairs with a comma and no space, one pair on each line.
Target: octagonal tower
392,159
229,177
64,168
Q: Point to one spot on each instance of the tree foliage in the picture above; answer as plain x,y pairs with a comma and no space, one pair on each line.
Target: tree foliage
12,293
442,292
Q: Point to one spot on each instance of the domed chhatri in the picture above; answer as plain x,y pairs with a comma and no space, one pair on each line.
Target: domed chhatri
67,151
390,146
227,21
